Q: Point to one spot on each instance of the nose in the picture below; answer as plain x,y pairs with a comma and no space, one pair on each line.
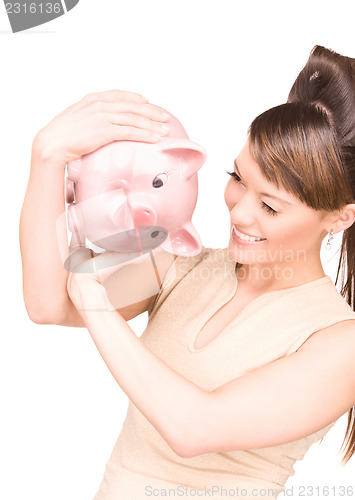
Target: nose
138,207
143,214
131,208
243,211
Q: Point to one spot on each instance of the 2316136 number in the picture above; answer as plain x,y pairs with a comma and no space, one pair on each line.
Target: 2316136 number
33,8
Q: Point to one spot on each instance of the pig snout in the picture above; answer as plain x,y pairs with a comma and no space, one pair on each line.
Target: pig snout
131,208
128,213
143,215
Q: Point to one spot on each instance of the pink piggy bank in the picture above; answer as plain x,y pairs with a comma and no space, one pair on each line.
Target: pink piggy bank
133,196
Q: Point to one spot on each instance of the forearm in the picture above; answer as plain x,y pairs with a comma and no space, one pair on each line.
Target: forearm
42,232
171,403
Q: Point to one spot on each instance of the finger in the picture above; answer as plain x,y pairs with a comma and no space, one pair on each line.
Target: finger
126,133
138,121
145,110
108,96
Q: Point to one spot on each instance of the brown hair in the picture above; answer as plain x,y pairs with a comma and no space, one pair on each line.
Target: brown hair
307,146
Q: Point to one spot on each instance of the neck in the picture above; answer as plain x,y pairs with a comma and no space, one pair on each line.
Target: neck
278,275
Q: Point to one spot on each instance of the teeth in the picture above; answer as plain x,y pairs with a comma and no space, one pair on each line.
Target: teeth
243,236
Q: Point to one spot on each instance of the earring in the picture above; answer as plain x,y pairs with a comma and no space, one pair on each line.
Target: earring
328,245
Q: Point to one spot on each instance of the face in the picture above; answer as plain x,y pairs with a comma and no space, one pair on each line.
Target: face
269,224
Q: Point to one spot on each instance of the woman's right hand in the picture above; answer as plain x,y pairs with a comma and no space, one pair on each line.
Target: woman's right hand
96,120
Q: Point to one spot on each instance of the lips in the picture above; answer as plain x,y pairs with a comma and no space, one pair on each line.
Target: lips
246,237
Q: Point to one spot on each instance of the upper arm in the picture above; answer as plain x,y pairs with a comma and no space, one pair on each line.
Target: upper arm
132,288
72,317
283,401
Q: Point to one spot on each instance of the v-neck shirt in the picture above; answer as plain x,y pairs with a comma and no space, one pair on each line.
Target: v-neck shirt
271,326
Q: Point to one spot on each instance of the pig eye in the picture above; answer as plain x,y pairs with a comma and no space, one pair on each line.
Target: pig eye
160,180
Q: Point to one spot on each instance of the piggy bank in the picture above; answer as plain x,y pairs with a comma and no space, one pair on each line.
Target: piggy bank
132,196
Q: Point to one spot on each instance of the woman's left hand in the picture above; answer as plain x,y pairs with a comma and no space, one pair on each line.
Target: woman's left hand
84,285
86,292
89,272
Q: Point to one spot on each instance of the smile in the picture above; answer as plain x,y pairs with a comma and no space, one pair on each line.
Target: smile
245,237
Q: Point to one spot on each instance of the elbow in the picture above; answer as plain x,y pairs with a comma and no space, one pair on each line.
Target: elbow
187,448
187,442
35,319
35,316
195,435
42,316
185,451
194,447
42,311
40,319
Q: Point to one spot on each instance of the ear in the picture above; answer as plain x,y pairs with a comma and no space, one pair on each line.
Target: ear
344,218
184,241
191,155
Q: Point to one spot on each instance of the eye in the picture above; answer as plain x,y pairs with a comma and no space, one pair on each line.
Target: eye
235,176
263,205
159,180
268,209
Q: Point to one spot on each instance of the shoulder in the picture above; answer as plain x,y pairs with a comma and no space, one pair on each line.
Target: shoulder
207,254
340,335
208,257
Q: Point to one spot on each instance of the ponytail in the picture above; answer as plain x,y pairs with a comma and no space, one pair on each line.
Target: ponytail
328,81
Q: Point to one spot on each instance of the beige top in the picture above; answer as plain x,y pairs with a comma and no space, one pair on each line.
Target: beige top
272,326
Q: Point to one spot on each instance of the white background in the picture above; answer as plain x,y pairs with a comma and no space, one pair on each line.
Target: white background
215,65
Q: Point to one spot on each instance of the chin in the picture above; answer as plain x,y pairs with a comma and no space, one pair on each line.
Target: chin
238,257
243,256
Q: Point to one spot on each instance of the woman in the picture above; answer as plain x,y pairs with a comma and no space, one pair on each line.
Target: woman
247,358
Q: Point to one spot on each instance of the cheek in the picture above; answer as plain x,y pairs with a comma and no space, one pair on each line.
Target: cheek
230,195
294,233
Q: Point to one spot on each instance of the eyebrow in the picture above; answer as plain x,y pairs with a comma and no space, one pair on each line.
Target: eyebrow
263,194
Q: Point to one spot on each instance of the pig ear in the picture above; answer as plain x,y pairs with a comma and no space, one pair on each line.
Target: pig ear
74,168
191,155
183,241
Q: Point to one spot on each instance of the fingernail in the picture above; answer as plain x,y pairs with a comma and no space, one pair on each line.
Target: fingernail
155,137
164,115
164,129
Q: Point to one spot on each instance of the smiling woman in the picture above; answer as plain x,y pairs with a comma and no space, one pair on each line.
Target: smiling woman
262,312
269,222
248,355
